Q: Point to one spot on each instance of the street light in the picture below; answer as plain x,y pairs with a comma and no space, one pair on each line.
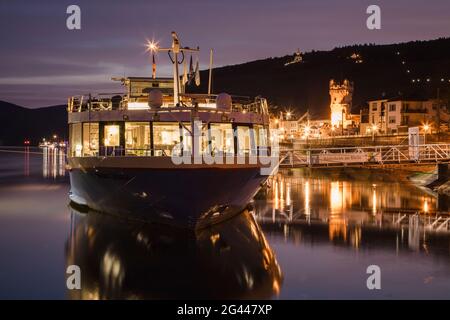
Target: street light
374,130
288,115
426,127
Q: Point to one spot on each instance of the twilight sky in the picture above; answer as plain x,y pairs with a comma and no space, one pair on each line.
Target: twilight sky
42,62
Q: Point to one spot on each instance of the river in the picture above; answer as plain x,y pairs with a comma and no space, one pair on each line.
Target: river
309,235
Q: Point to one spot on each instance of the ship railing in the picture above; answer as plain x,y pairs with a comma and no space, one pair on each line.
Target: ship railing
99,102
242,104
167,151
120,101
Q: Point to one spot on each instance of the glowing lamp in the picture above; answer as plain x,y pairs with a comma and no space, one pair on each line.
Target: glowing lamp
152,46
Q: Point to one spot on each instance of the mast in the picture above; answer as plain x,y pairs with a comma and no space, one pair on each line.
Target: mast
210,71
176,78
176,49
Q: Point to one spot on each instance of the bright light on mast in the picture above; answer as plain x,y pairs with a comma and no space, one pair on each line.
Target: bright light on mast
152,46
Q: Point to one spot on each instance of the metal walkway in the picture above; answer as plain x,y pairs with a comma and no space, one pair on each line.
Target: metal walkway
366,156
424,222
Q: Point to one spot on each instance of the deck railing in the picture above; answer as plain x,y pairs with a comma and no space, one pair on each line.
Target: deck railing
120,101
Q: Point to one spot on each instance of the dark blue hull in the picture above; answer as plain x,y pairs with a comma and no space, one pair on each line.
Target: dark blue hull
185,197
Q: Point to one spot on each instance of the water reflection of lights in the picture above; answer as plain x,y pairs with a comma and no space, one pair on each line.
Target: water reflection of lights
112,271
426,209
341,203
288,194
281,198
337,193
310,195
337,226
54,162
355,237
307,196
27,161
282,194
275,195
374,199
125,259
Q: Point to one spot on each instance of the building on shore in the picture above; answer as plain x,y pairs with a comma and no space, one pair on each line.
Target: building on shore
397,114
341,119
389,116
290,126
341,102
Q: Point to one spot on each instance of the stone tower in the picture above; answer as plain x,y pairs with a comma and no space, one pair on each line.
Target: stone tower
341,102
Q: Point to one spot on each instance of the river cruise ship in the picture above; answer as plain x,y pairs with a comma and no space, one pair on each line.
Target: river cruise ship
158,153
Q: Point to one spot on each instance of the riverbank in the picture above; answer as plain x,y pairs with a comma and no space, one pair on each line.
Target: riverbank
436,181
387,174
444,188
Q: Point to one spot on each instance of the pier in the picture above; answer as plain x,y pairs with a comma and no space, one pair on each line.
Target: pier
386,218
370,156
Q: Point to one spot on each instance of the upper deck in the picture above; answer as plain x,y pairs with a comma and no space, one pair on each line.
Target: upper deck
145,121
133,105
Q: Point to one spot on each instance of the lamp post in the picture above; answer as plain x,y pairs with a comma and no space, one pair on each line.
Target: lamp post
426,127
288,115
374,129
307,131
333,128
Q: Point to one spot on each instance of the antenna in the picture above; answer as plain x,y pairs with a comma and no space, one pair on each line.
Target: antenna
210,71
175,50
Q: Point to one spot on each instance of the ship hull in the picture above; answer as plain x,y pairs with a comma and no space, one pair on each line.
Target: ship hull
183,196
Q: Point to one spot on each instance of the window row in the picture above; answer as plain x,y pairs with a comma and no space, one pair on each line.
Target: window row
162,138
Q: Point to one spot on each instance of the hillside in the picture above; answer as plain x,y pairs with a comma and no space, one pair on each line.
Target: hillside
385,70
20,123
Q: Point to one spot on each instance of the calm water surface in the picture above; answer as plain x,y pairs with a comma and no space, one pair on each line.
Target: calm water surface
311,235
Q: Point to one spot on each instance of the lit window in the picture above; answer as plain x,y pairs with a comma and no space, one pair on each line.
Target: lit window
112,135
187,138
165,137
243,135
76,146
261,135
90,138
137,138
222,138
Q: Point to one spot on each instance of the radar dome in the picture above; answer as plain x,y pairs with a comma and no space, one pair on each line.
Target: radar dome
155,99
223,101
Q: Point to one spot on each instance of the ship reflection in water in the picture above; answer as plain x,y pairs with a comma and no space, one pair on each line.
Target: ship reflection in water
122,259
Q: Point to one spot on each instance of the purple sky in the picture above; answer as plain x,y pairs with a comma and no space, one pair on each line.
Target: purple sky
42,62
